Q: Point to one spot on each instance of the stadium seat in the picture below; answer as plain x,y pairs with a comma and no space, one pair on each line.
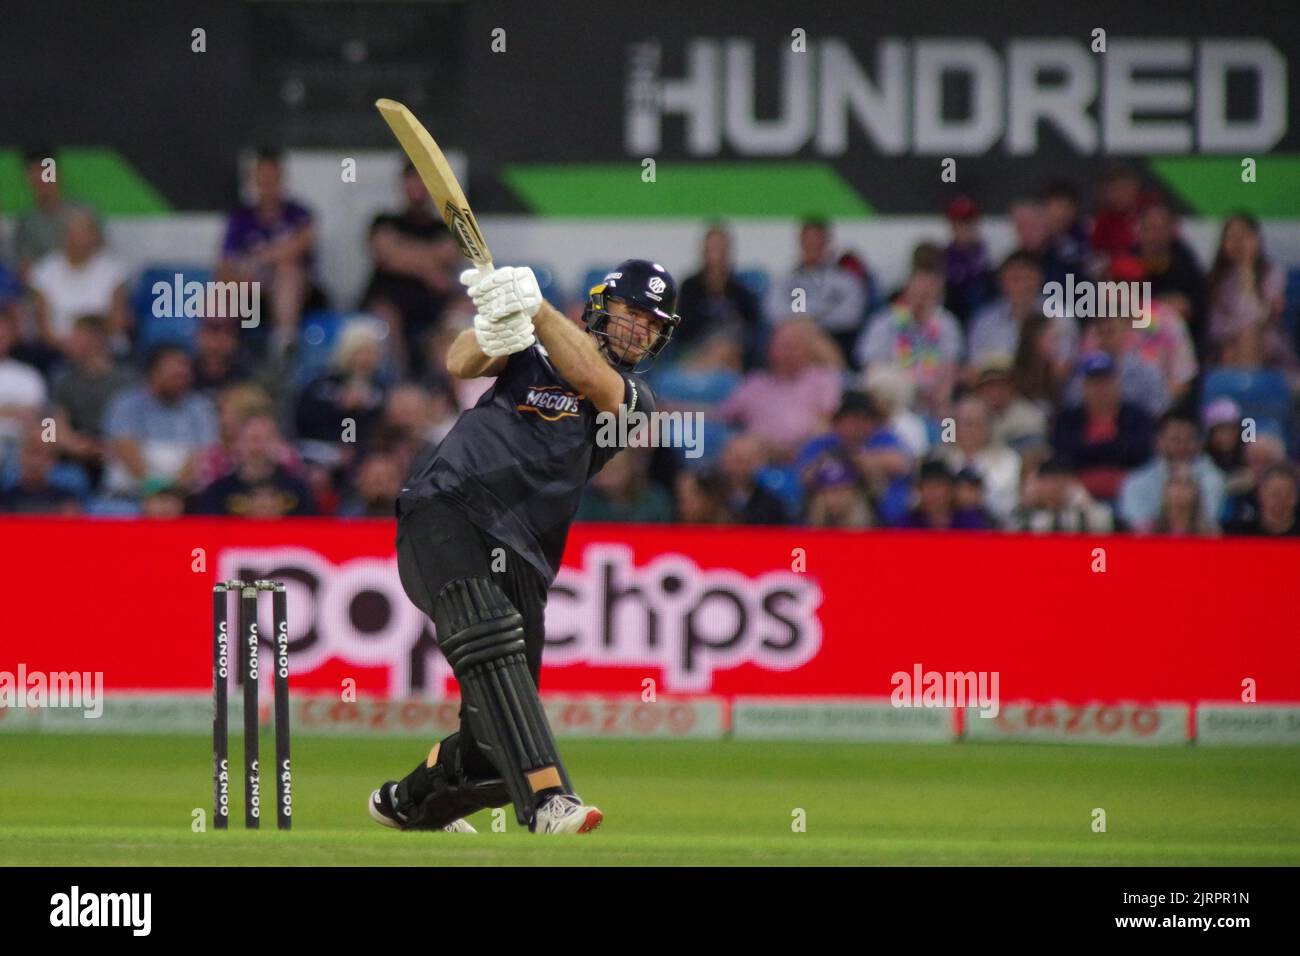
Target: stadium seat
756,281
784,483
103,506
1262,395
152,330
316,340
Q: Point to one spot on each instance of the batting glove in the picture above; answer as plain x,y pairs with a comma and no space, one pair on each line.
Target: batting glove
505,291
505,335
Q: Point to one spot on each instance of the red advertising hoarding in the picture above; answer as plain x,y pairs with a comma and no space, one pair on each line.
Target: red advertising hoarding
744,611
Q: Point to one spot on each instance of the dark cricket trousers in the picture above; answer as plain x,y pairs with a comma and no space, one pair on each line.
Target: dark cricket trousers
437,544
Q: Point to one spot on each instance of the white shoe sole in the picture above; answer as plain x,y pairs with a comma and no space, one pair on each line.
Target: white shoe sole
591,818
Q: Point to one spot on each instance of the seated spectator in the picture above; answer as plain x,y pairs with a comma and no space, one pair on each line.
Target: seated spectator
1014,420
1242,506
1114,228
1105,437
894,392
714,302
415,422
22,390
159,498
834,297
1246,293
836,497
160,428
861,438
236,404
1039,371
1223,427
739,465
271,241
996,328
918,334
935,499
794,398
258,485
83,389
974,448
37,482
1053,499
969,511
1067,251
218,361
1169,264
967,268
378,482
1177,444
1276,514
702,498
621,492
1182,512
414,276
1140,381
40,230
345,405
77,279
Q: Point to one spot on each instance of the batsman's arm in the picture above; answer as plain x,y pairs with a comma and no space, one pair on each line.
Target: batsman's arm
466,360
577,359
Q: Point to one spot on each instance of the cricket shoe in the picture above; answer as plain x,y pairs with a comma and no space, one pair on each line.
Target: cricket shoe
565,813
385,814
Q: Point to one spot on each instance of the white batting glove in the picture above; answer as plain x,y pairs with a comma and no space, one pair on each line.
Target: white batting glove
503,336
505,291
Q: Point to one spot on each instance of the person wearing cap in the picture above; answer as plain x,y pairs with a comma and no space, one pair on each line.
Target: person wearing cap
1178,445
1223,426
935,499
996,328
969,510
861,438
1105,436
969,273
837,498
1140,381
1013,419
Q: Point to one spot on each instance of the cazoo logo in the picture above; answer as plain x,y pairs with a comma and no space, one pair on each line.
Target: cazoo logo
667,615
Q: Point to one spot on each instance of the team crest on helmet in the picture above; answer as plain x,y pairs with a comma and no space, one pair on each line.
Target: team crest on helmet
656,284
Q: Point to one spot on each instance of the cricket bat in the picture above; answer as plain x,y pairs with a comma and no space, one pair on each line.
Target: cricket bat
438,178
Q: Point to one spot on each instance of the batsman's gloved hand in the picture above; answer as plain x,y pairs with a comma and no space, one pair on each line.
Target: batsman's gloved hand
505,335
504,291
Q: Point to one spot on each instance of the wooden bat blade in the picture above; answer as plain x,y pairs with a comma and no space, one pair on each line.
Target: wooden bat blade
436,174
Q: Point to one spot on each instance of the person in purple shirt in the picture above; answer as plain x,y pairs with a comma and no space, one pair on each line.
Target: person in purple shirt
270,241
967,267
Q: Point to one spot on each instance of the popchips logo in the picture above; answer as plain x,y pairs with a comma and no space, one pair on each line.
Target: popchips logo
669,615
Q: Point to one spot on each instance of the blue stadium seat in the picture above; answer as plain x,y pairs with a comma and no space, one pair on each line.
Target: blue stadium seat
784,483
756,281
317,337
1262,395
108,507
152,330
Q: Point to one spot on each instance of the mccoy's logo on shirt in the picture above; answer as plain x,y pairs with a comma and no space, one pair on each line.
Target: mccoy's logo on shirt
551,402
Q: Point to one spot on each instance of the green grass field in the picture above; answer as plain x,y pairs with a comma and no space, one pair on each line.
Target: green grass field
103,800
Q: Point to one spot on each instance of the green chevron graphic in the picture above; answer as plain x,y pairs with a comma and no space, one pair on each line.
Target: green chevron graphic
693,190
1212,185
101,177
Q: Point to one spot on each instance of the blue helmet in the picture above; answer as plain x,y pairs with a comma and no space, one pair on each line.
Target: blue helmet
640,283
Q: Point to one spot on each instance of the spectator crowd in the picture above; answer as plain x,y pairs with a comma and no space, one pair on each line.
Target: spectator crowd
957,400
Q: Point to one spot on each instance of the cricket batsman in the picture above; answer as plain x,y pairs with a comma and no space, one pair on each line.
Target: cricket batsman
482,523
